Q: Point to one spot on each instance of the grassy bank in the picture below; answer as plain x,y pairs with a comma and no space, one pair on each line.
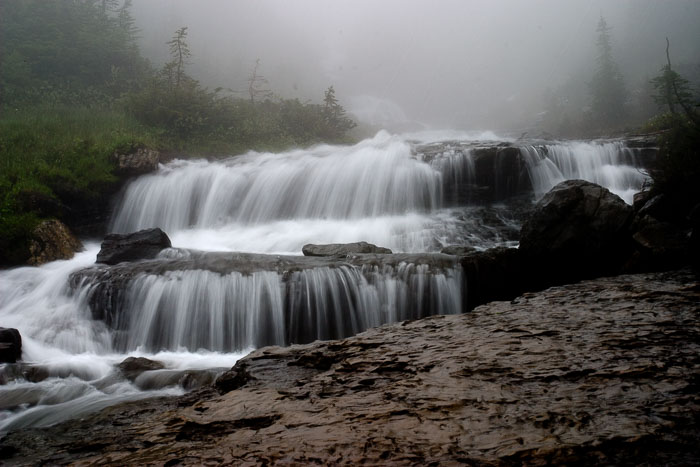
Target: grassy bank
53,159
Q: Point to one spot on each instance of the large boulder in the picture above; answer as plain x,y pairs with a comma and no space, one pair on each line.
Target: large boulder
342,249
51,241
10,345
136,161
577,230
144,244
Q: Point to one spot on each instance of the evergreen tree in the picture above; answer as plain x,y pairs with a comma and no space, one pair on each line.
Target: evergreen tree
334,116
180,52
258,85
671,89
607,86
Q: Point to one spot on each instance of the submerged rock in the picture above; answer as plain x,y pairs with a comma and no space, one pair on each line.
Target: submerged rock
133,367
144,244
10,345
598,372
51,241
343,249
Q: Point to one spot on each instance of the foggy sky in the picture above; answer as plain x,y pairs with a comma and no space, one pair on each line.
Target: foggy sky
446,63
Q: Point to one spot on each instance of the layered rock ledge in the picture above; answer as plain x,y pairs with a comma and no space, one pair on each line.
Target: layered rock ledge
605,371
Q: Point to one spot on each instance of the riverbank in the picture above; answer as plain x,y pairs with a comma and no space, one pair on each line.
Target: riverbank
603,371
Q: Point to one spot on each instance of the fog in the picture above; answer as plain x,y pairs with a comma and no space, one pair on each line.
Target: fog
448,63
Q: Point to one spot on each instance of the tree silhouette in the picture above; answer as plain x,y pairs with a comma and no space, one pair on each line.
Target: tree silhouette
180,52
334,116
672,90
607,86
258,85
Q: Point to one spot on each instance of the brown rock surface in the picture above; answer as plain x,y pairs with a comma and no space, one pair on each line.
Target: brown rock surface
51,241
600,372
136,162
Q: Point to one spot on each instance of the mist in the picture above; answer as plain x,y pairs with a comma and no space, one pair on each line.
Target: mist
461,64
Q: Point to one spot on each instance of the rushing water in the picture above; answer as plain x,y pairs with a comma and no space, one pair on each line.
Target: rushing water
381,190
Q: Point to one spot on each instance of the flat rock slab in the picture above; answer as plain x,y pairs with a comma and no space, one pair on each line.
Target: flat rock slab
600,372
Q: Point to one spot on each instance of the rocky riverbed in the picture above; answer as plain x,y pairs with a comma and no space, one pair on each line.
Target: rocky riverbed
604,371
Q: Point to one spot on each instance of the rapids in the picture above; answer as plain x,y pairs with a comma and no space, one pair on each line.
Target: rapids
385,190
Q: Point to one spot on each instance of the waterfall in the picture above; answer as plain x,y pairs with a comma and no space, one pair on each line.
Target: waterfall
414,194
609,164
374,178
201,309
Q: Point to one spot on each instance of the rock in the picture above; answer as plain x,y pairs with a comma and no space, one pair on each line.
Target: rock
144,244
10,345
133,367
457,250
494,274
343,249
662,245
137,162
602,372
577,230
233,379
51,241
640,199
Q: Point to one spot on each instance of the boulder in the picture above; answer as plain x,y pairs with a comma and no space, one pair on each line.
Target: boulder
577,230
136,162
51,241
144,244
133,367
10,345
343,249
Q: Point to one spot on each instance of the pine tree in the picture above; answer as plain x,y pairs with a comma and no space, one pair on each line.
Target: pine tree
672,90
334,116
180,52
258,85
607,86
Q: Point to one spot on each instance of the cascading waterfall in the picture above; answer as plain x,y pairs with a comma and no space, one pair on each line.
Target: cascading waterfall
382,190
611,165
374,178
206,310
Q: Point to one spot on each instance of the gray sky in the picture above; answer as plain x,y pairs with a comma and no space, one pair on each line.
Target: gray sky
447,63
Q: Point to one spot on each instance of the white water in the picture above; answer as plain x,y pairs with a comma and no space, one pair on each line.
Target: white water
609,164
376,191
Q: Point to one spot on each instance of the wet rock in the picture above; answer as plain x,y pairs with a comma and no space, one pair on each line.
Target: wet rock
187,379
233,379
577,230
661,245
132,367
144,244
10,345
640,199
51,241
343,249
494,274
136,161
457,250
599,372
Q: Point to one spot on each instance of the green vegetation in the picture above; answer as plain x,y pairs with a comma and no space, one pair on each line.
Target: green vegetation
677,168
74,89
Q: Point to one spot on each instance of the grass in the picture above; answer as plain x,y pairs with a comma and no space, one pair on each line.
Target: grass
52,157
